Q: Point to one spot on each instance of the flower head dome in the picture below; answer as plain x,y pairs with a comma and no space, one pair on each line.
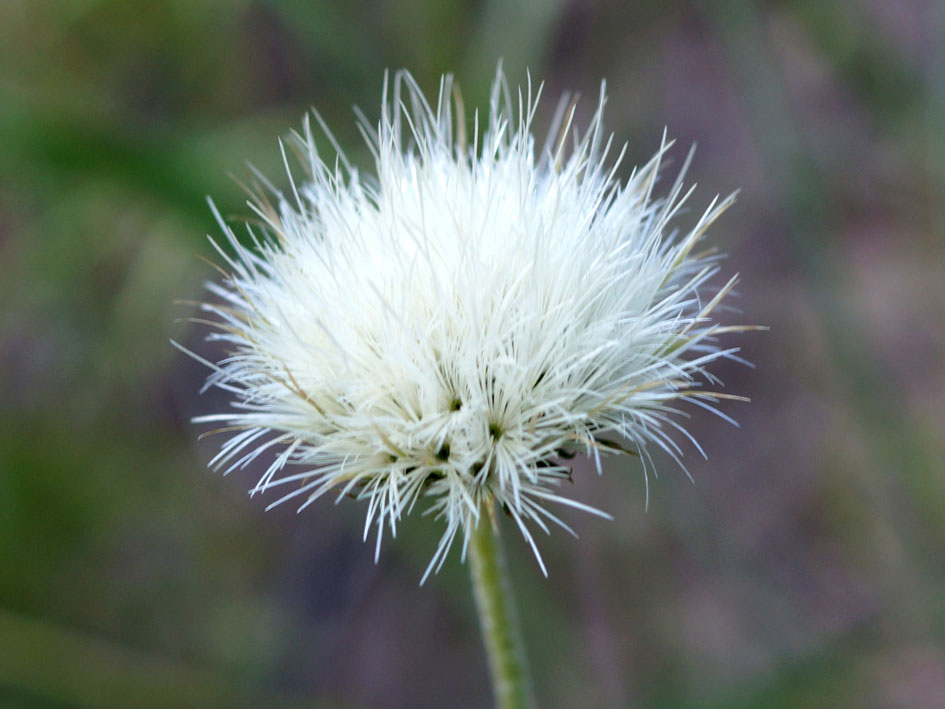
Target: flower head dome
450,329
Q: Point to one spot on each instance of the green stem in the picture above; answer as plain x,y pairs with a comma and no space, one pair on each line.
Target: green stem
497,618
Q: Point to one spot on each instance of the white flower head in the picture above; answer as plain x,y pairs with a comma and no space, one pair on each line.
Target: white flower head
456,326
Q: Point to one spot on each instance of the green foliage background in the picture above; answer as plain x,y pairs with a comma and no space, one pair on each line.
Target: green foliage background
804,568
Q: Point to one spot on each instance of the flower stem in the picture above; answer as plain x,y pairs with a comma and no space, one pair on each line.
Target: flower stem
497,617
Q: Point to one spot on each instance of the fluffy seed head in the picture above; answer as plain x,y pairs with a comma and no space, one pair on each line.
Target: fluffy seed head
457,325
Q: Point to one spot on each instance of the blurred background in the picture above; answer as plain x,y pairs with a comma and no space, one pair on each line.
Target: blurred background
805,567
